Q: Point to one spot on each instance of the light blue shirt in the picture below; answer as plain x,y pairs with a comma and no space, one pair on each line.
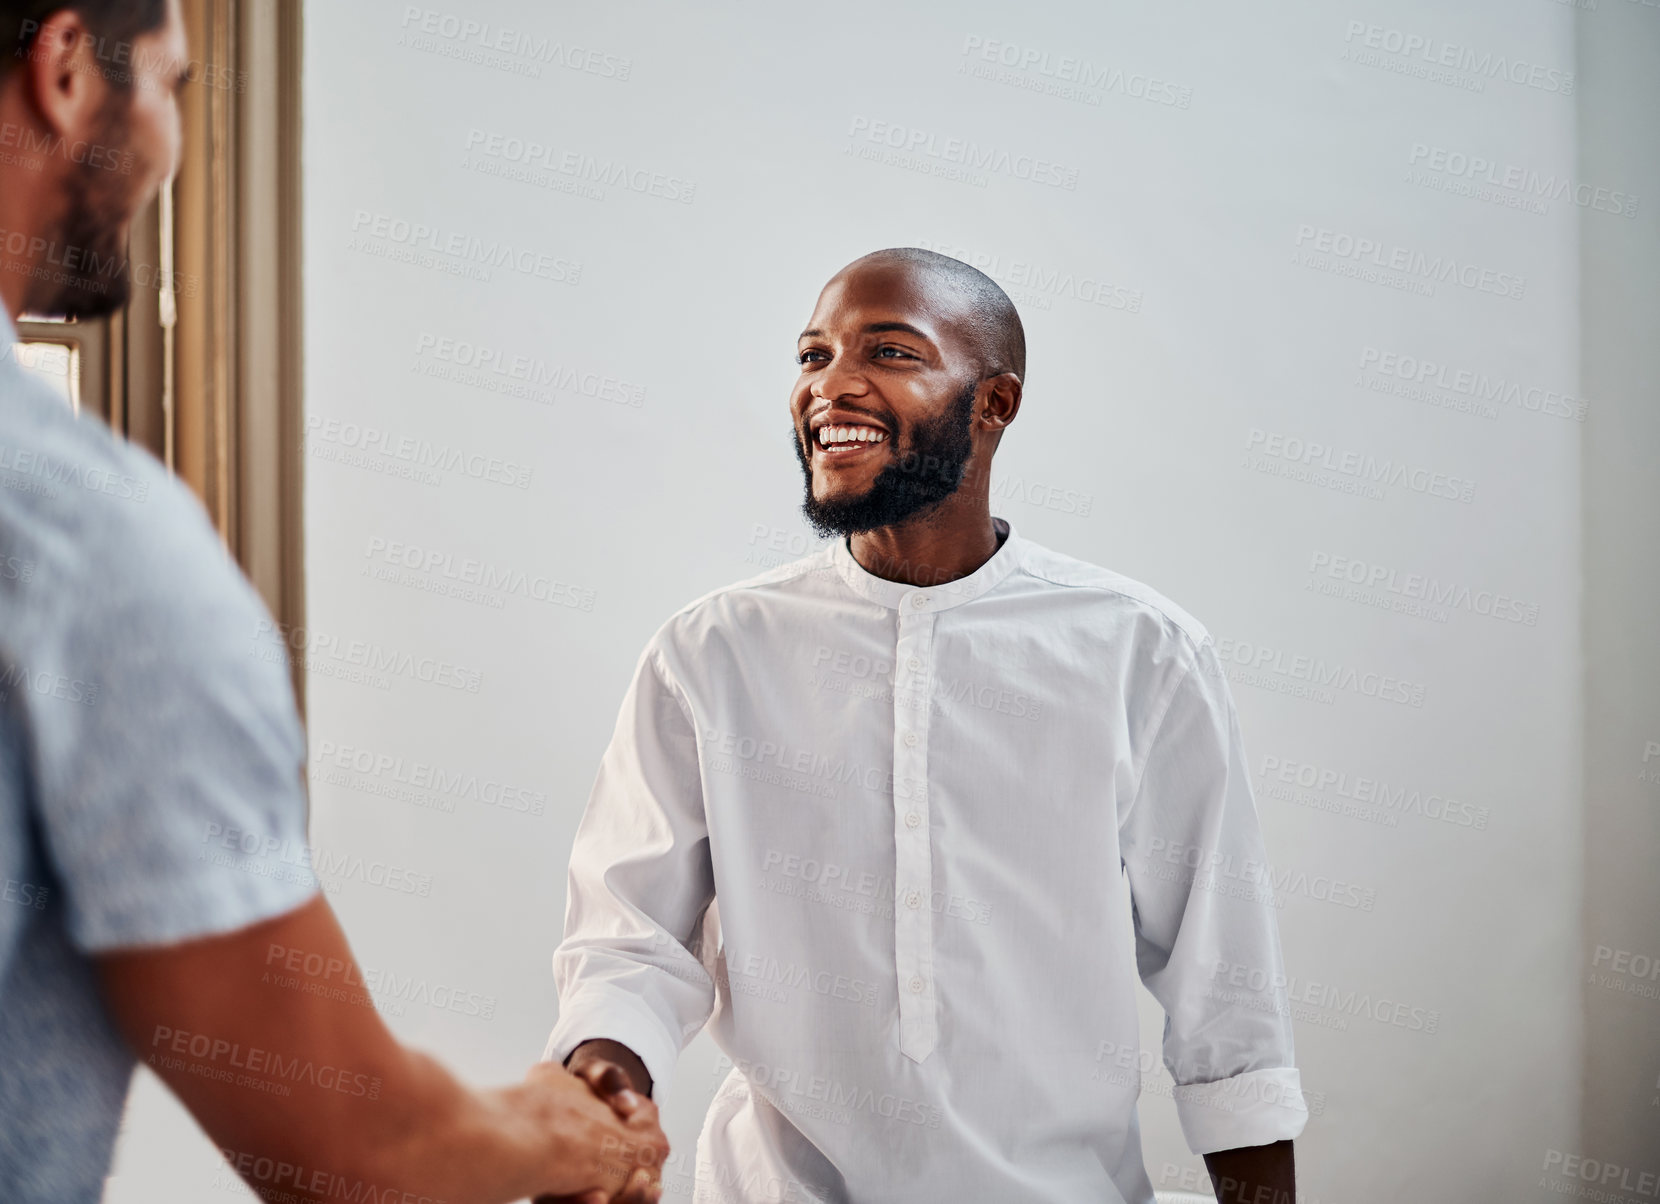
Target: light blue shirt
150,765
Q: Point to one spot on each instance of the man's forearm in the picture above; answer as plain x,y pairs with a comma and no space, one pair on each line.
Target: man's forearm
304,1090
426,1133
1256,1174
450,1141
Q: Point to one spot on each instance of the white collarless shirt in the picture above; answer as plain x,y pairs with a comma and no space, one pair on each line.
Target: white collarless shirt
947,829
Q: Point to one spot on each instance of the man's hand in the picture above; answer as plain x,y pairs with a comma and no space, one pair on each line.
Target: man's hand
630,1166
610,1082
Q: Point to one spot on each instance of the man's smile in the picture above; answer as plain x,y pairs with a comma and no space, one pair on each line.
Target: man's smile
838,436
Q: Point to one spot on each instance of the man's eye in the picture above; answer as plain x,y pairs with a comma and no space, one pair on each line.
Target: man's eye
894,353
809,357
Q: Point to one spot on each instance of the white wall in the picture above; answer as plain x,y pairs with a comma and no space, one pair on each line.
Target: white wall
1209,340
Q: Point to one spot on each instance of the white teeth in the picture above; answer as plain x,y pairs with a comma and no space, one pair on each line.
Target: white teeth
831,435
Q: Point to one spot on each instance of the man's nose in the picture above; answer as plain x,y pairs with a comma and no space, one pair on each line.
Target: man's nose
840,378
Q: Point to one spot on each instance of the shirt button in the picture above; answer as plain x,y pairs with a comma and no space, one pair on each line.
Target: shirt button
913,900
913,664
913,820
917,984
919,602
911,739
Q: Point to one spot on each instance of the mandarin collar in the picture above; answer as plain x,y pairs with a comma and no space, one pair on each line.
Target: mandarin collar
896,595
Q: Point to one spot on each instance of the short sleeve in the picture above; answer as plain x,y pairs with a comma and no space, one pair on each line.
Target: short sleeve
165,753
1201,892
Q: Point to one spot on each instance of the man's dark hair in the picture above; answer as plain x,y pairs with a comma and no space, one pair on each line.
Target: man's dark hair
998,334
112,22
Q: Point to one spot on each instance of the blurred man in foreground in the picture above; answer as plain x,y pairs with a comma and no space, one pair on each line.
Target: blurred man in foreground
951,792
156,890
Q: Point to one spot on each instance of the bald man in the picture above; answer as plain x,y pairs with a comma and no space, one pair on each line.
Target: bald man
903,822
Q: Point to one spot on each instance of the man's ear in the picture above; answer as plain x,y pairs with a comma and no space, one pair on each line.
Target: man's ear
999,401
63,81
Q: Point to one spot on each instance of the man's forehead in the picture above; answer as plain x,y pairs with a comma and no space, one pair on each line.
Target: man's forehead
888,290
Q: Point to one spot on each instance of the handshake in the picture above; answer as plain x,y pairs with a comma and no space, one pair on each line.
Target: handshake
610,1147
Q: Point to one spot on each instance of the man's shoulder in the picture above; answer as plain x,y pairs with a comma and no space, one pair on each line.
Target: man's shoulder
730,607
1111,589
93,518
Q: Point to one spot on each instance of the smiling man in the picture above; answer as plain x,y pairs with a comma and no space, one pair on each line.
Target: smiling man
952,792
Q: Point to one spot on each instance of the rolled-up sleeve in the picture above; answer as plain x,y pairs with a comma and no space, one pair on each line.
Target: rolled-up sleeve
640,882
1207,943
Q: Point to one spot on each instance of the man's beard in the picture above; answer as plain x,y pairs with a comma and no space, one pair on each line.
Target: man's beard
91,234
920,477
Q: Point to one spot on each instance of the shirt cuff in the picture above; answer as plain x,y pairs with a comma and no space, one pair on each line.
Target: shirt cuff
1259,1107
617,1016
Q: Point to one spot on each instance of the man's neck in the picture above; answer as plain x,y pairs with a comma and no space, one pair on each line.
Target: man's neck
20,188
930,549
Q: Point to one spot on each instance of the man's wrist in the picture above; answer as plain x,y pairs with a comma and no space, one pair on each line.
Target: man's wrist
606,1050
442,1126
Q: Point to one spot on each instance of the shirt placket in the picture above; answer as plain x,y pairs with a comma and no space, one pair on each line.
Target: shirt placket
913,913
